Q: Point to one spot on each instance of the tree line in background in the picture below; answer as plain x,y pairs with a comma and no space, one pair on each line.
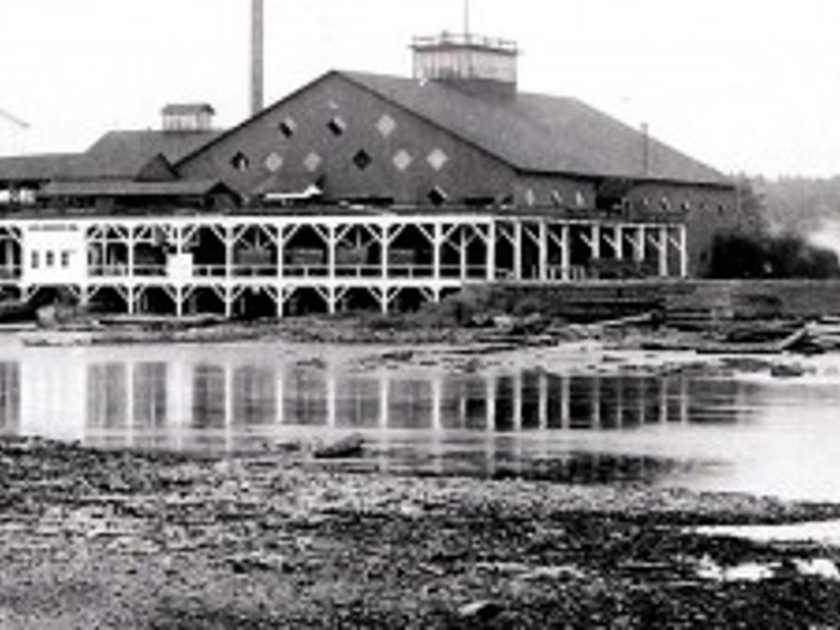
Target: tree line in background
788,231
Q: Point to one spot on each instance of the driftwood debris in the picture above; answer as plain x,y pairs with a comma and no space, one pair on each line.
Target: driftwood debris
345,448
760,347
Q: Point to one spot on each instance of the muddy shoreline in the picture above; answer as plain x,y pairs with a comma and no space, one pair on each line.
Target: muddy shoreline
120,539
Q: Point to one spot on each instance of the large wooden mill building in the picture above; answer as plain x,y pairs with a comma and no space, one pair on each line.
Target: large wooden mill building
359,191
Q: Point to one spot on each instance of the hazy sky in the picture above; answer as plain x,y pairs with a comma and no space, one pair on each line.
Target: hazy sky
745,85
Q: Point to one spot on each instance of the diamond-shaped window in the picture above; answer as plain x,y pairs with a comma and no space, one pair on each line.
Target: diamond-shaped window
287,127
437,159
313,162
362,160
437,196
402,160
273,162
386,125
240,162
337,126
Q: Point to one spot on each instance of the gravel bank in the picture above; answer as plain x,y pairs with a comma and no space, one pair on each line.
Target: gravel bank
128,540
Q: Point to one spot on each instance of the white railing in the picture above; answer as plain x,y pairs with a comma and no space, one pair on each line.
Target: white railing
122,270
221,271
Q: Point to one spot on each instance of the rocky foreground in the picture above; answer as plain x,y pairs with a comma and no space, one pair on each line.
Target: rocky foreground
93,539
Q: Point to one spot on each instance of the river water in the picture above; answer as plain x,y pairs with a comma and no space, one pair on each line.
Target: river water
563,417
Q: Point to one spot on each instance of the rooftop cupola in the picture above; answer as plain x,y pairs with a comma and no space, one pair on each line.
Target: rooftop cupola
470,61
188,117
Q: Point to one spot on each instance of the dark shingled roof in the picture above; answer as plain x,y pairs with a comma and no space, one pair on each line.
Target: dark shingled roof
36,168
127,188
116,155
539,133
175,109
124,154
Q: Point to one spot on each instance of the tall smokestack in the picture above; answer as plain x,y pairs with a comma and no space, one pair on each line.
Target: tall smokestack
257,55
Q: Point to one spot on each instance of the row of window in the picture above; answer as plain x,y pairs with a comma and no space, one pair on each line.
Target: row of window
579,201
337,126
362,160
50,259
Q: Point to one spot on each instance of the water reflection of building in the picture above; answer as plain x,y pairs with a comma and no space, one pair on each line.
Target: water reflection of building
236,400
198,403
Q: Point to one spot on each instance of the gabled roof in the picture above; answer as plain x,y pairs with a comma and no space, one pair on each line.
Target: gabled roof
540,134
116,155
125,154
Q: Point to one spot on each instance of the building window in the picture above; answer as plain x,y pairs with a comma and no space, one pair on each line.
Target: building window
312,162
686,206
287,127
402,160
646,203
530,197
721,209
386,125
50,258
437,159
240,162
438,196
65,259
580,199
665,203
273,163
362,160
557,198
36,260
337,126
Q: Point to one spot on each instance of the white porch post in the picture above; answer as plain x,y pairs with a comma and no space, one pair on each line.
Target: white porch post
385,247
543,241
228,231
462,252
517,249
596,242
663,251
619,240
491,250
332,299
640,244
331,251
683,238
281,300
437,245
131,298
281,251
228,302
130,260
565,239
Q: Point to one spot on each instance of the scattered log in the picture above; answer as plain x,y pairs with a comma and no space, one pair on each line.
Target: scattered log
347,447
482,611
